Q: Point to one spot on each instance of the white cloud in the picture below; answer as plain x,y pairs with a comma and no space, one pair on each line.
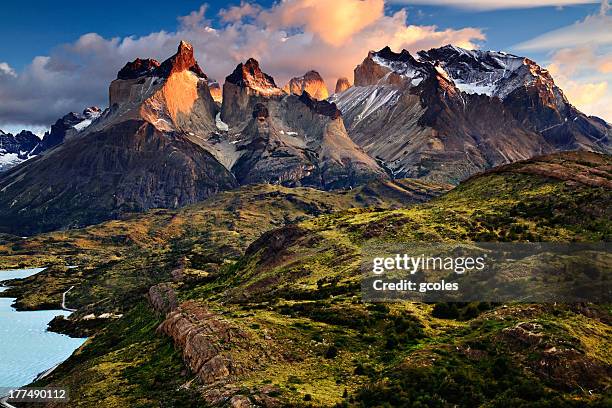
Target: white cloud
592,30
581,61
331,39
495,4
6,69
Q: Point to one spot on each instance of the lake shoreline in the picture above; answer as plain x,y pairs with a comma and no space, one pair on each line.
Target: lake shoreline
30,348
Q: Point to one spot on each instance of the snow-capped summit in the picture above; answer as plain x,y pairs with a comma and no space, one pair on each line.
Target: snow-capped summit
388,67
15,149
449,112
488,73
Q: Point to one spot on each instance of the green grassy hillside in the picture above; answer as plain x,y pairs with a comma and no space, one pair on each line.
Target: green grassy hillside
273,316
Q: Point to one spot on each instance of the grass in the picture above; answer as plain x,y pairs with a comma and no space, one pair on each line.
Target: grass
283,267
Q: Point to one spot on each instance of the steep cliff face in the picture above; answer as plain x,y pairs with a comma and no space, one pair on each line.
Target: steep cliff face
436,118
310,82
144,152
215,90
173,96
129,167
288,139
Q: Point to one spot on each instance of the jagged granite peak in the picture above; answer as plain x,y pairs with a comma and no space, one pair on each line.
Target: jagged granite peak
243,88
174,97
15,149
311,82
430,116
181,61
386,66
138,68
342,84
249,75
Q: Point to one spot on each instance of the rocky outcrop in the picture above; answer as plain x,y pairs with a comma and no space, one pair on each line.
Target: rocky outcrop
310,82
163,298
210,345
342,84
556,359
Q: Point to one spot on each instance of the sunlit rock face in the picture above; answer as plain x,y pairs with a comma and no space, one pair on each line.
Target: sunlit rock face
311,82
148,150
289,139
450,113
242,90
215,90
342,84
172,96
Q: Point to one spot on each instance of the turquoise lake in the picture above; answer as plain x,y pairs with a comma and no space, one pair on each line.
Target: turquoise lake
26,347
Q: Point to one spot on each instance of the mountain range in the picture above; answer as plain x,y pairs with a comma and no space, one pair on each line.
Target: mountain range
171,136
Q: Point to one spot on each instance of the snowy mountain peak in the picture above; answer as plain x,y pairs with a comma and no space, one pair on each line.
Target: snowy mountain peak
490,73
388,67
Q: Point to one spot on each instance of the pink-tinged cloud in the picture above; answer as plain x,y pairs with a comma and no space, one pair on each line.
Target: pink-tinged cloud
495,4
581,61
77,75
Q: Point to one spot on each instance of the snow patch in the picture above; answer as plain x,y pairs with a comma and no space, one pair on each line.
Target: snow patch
220,124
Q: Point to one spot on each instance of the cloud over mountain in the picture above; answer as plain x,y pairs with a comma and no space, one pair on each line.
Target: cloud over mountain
288,38
581,60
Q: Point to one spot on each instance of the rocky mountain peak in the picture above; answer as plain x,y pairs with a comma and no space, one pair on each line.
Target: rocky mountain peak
15,149
342,84
387,54
183,60
249,75
138,68
386,66
490,73
311,82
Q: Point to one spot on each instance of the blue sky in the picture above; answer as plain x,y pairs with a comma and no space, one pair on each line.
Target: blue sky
54,23
59,56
